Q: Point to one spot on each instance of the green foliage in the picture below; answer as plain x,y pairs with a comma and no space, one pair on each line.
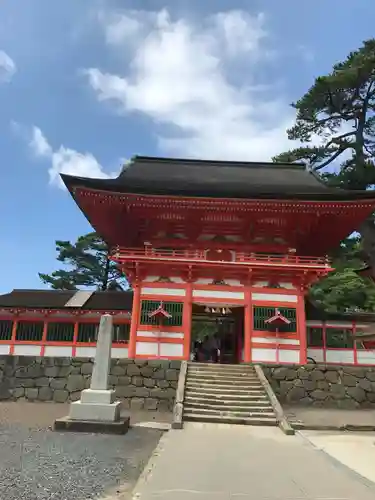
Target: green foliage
88,266
335,124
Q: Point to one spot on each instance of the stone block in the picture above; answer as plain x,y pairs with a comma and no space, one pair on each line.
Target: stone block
164,405
371,397
370,374
347,404
137,381
302,373
60,395
279,373
42,382
124,380
113,380
357,393
316,375
125,391
171,374
31,393
295,394
290,374
118,370
25,382
159,393
365,384
150,404
133,370
158,374
318,395
58,383
75,383
142,392
175,364
140,362
45,394
323,385
18,392
86,368
64,371
95,412
349,380
163,384
309,385
75,396
147,371
149,382
356,371
51,371
332,376
156,363
137,404
337,391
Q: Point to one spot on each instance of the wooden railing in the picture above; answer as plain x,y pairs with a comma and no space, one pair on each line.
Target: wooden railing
148,253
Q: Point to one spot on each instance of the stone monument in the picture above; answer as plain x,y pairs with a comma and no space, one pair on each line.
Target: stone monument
97,410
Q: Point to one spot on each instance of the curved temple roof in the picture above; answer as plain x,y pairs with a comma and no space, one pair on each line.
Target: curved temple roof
217,179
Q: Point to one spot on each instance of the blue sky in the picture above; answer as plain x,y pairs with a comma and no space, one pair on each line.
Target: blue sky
86,84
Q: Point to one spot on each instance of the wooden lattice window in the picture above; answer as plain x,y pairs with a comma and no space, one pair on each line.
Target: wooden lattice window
261,314
87,332
29,331
60,332
339,338
121,333
6,329
173,308
314,336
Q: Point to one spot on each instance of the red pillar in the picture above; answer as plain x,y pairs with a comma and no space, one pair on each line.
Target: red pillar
247,327
186,320
134,321
301,325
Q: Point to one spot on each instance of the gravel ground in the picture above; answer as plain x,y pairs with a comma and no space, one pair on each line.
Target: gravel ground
37,463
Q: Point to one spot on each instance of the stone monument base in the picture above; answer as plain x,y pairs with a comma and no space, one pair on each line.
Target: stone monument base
92,426
95,412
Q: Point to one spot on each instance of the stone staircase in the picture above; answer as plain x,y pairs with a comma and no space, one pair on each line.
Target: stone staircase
231,394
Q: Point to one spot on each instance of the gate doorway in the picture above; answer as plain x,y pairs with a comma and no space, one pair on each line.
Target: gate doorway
217,327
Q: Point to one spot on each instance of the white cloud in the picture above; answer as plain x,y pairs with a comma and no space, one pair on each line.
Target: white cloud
65,160
182,76
7,67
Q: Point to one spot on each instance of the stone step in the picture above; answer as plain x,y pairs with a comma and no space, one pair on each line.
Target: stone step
219,369
240,389
244,386
228,394
212,400
229,413
234,407
197,417
221,377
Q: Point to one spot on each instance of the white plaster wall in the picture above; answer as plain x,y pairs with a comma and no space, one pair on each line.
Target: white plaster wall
4,349
316,354
158,334
63,351
27,350
340,356
147,348
171,350
260,354
289,356
119,352
366,357
216,294
273,340
173,292
86,352
275,297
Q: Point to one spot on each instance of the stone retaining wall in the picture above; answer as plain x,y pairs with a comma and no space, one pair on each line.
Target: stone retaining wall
346,387
142,384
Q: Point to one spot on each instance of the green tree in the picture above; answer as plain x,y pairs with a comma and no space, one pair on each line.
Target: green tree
335,125
87,266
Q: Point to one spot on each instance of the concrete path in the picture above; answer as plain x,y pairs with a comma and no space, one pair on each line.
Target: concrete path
219,462
353,449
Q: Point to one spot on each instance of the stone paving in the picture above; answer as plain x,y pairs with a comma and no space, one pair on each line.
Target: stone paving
207,462
333,417
39,464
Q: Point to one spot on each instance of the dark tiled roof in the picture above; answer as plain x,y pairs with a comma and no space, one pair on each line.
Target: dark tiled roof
56,299
314,312
165,176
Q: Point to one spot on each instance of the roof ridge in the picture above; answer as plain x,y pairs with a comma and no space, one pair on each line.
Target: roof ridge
220,163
